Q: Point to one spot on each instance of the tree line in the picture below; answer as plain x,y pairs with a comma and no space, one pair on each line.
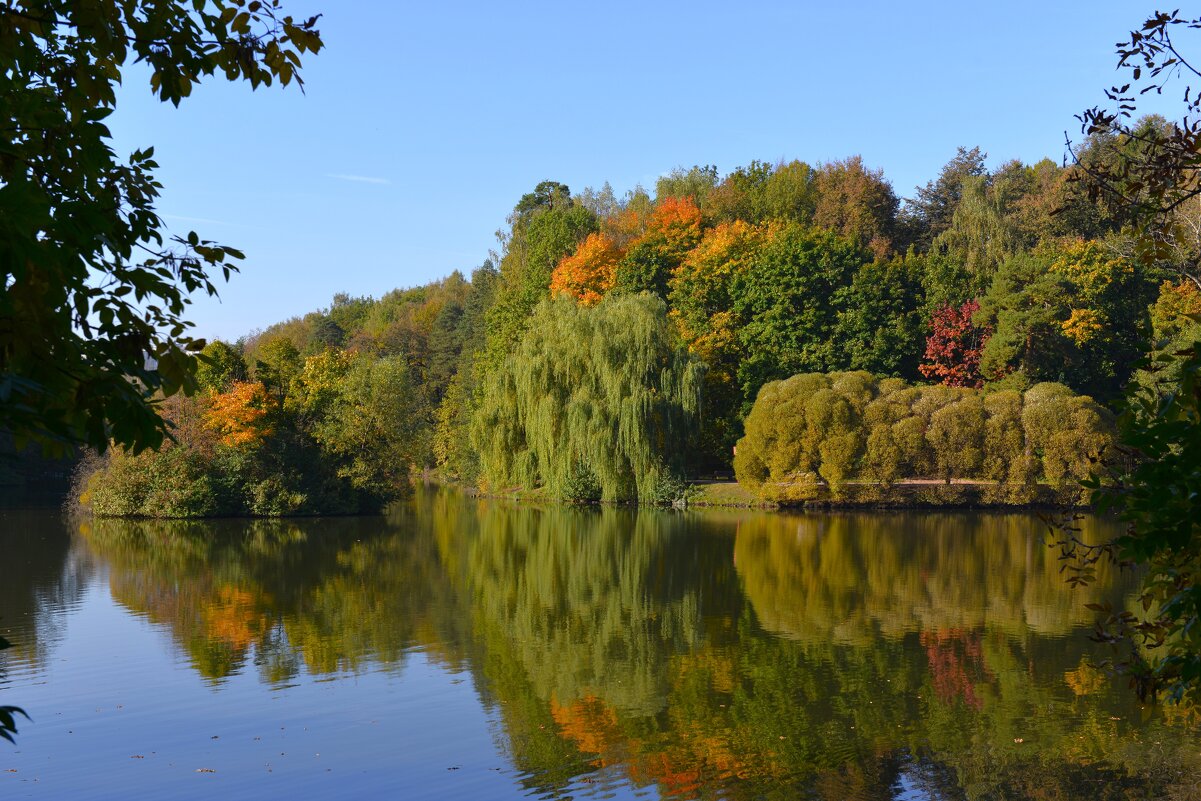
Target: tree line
615,346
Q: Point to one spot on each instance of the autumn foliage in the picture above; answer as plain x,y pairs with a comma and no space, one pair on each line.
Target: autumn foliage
953,347
589,273
957,665
678,221
241,416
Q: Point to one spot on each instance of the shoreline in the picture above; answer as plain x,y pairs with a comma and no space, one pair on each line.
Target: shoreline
911,494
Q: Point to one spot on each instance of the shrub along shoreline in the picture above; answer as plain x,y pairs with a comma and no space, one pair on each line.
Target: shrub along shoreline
904,494
851,439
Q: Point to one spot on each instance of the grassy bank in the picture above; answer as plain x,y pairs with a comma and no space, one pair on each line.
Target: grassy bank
905,494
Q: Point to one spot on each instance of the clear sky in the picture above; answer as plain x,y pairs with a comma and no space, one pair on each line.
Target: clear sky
422,124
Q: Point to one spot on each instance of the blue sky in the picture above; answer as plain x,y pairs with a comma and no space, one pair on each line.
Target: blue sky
421,125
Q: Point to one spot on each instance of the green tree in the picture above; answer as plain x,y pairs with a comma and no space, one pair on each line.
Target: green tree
277,363
94,292
598,395
220,365
930,212
373,427
452,440
695,183
545,226
964,258
1175,327
445,345
786,302
879,327
1045,201
349,313
1074,312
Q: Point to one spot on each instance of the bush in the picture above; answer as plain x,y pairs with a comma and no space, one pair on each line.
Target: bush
815,434
167,483
582,485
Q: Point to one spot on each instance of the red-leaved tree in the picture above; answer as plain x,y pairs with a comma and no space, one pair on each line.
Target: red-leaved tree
954,345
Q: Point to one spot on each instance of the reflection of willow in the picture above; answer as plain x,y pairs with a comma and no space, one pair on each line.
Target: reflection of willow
848,577
330,594
588,598
618,640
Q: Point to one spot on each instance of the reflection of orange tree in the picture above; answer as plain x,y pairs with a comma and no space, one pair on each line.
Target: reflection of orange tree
1086,679
834,722
695,757
217,619
621,641
590,724
952,653
234,616
356,591
577,616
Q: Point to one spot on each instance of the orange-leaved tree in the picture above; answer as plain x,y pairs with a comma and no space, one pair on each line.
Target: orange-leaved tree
674,228
700,284
242,415
702,308
675,224
590,272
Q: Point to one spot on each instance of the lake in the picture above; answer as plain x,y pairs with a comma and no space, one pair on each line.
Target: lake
459,648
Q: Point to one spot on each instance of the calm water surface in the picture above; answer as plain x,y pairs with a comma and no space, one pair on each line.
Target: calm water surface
463,649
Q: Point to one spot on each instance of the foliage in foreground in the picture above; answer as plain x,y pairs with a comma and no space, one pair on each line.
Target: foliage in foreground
1156,489
93,290
1159,498
839,429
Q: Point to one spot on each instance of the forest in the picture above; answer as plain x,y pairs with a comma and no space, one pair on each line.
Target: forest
618,348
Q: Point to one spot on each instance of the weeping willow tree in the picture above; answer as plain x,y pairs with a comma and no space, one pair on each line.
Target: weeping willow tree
594,403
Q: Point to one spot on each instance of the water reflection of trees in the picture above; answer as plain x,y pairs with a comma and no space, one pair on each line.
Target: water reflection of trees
330,595
924,651
43,576
853,577
594,598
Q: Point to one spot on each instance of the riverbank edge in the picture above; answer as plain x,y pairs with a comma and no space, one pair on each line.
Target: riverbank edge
928,495
731,494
